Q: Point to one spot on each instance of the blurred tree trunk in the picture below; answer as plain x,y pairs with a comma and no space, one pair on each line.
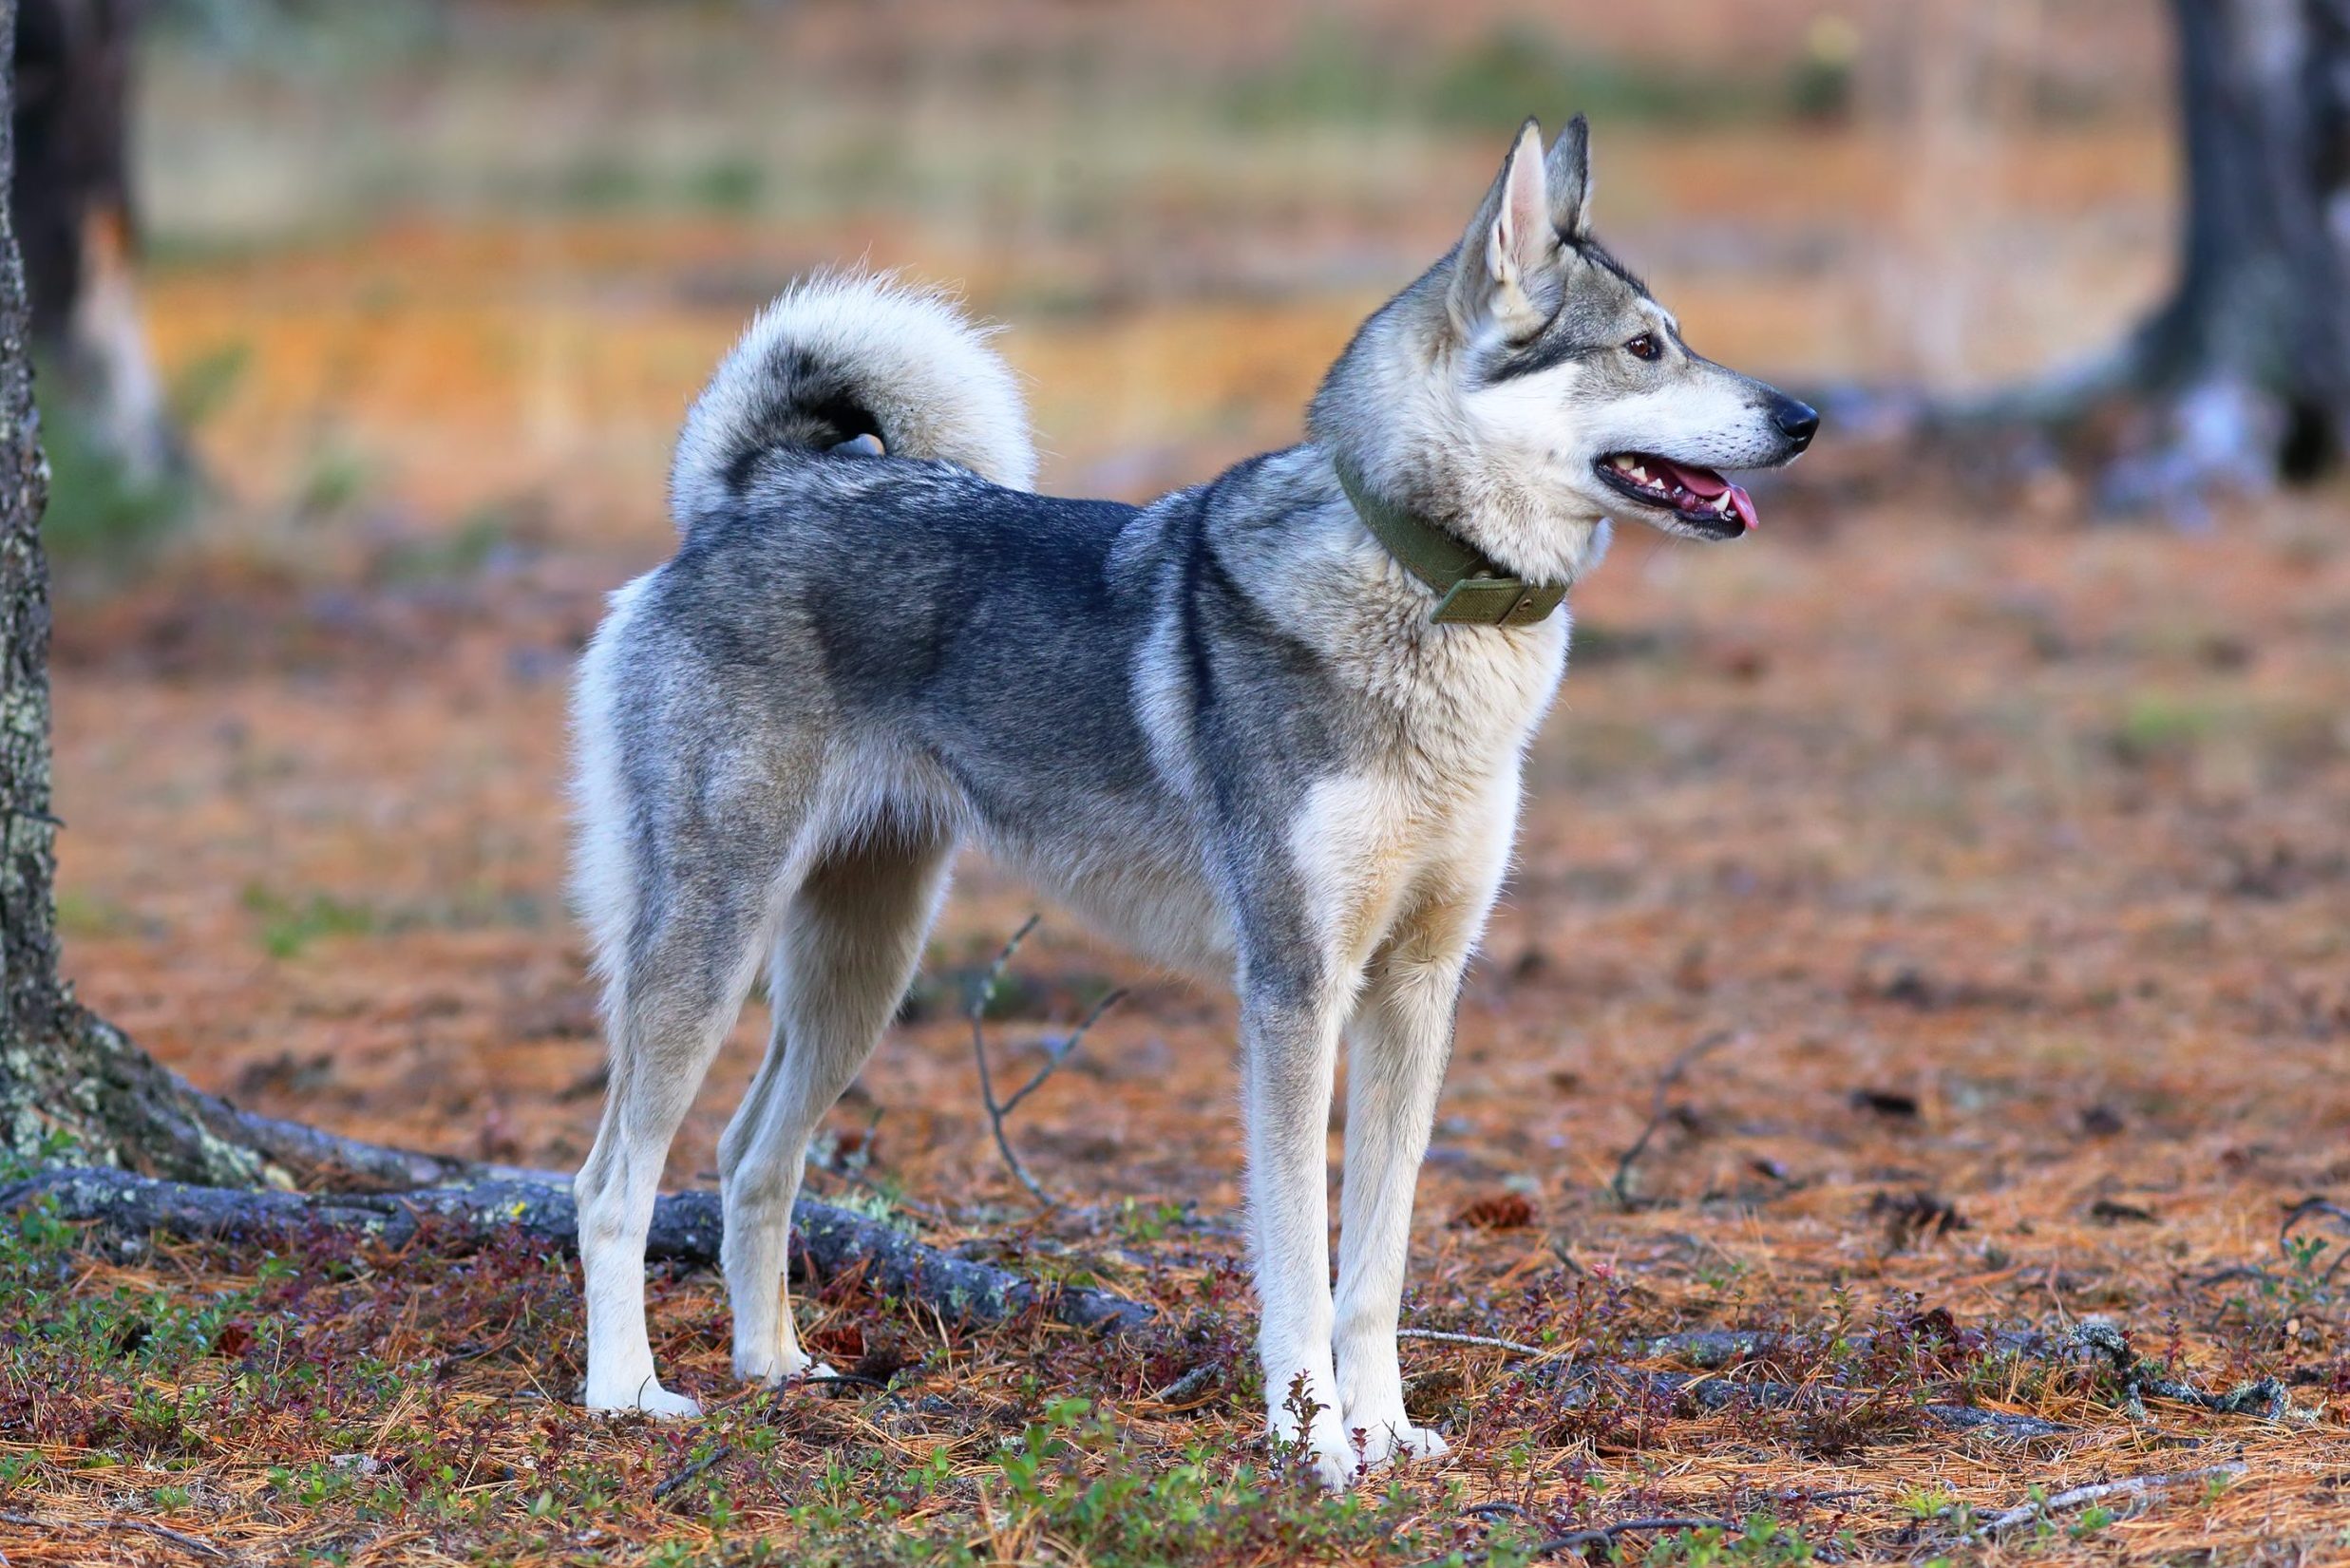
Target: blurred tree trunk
2263,292
2243,376
76,224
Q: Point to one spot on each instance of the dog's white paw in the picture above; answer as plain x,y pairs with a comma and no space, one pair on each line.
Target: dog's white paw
1385,1439
1336,1462
648,1398
1326,1447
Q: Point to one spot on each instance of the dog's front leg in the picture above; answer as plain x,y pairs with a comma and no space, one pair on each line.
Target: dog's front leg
1401,1037
1290,1016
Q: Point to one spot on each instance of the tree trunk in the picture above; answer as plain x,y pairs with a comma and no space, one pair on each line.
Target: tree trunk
2242,377
76,225
2263,291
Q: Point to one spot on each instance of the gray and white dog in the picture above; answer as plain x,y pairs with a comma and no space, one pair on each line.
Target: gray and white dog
1270,727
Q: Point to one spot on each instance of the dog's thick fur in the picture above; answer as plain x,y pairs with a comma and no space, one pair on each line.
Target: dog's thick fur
1222,725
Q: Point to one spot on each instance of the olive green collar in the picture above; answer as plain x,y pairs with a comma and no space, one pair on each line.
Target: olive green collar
1470,589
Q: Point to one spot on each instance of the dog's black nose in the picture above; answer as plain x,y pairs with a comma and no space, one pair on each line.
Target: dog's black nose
1796,421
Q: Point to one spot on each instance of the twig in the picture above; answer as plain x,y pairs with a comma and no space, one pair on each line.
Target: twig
178,1537
2134,1486
1621,1185
1443,1337
1054,1056
701,1466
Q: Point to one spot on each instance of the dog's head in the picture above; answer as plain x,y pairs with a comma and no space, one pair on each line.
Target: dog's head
1562,391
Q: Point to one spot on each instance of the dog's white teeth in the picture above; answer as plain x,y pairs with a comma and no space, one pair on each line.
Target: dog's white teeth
1639,472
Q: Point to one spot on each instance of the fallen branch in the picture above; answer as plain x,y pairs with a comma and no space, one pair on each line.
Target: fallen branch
1621,1185
827,1241
1054,1056
2135,1486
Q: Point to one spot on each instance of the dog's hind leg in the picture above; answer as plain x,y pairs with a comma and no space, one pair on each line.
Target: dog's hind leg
677,984
849,941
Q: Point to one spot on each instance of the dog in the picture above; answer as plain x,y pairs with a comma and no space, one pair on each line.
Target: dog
1269,728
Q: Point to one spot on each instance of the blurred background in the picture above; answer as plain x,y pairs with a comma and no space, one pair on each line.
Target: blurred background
1949,787
475,252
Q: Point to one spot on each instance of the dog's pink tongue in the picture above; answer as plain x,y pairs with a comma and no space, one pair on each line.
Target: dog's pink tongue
1697,482
1706,484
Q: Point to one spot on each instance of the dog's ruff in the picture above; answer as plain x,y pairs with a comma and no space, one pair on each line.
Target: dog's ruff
1222,725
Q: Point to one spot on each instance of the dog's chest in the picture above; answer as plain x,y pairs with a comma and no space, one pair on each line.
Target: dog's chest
1459,704
1438,796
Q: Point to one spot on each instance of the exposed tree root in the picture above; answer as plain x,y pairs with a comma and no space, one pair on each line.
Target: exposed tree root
828,1241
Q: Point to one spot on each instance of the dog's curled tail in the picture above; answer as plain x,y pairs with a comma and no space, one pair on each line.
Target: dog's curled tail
842,356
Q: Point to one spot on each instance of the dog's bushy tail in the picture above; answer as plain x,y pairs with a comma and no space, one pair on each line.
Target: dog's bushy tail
841,355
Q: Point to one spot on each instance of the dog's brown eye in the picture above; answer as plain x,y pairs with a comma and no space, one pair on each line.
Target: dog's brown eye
1645,347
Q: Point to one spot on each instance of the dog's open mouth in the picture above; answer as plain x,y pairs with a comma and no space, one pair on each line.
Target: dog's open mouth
1699,497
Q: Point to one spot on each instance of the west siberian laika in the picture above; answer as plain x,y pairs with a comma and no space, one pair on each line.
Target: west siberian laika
1270,728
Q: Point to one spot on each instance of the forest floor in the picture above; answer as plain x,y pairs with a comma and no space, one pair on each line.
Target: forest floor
1950,893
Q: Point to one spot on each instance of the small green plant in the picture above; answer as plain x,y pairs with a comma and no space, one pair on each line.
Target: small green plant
461,553
102,513
2091,1521
331,486
1149,1221
289,926
1764,1542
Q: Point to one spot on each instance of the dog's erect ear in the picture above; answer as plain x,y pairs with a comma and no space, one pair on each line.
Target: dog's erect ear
1505,270
1568,170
